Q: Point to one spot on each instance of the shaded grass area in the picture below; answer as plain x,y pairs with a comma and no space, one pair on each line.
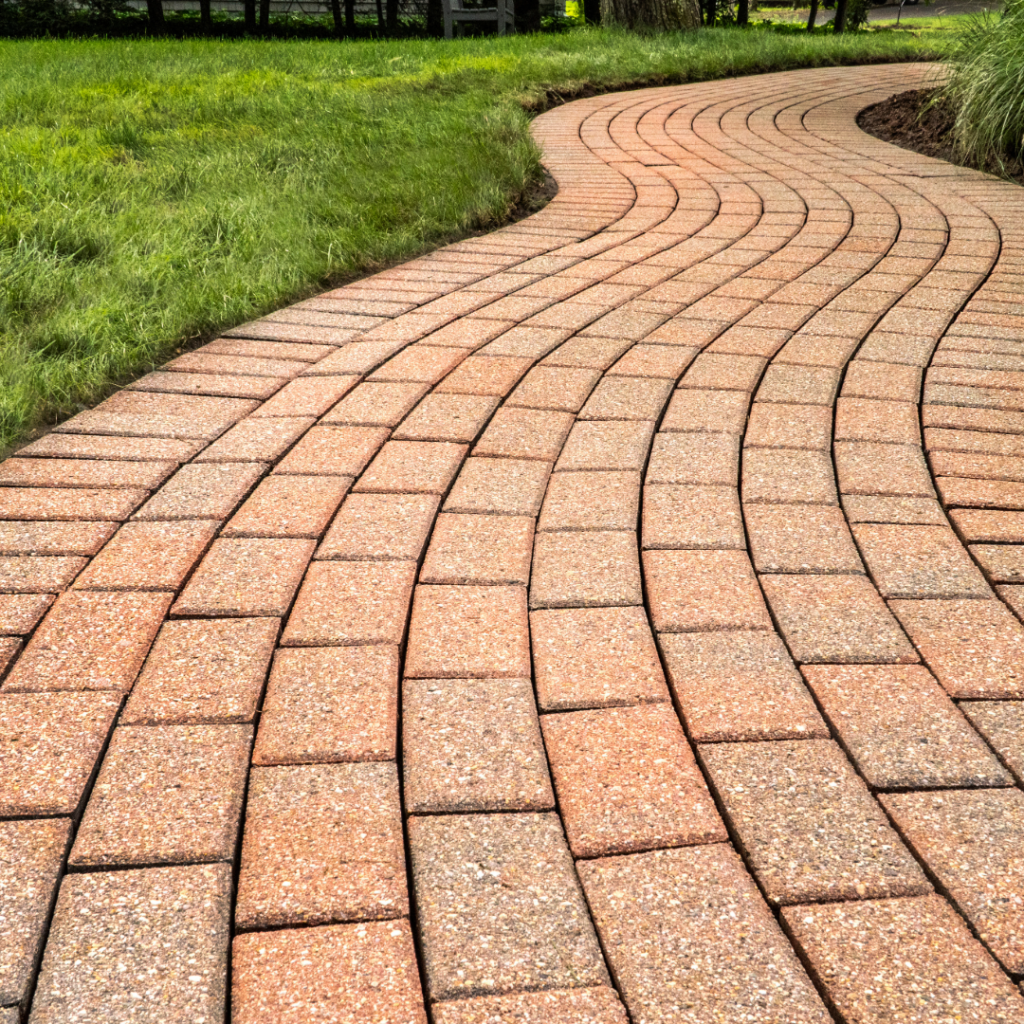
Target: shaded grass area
154,192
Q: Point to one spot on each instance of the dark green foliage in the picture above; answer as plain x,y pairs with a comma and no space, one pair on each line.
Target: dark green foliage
986,90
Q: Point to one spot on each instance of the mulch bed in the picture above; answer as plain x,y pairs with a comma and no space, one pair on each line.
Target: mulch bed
907,120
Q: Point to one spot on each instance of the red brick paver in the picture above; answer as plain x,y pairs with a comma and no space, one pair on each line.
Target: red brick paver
589,587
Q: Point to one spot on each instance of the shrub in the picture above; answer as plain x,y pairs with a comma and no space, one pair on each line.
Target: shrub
986,90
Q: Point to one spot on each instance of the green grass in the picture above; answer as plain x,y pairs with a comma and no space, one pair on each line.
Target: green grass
950,24
154,192
933,26
986,90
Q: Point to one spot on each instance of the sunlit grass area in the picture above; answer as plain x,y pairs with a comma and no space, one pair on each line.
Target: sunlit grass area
949,24
154,192
910,21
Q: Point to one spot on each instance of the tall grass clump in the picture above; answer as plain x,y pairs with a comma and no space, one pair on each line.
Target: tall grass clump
985,89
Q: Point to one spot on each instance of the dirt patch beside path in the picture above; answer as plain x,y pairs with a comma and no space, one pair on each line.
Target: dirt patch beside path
910,120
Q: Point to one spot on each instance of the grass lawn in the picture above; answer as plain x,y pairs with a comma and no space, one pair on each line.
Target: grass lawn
154,192
932,27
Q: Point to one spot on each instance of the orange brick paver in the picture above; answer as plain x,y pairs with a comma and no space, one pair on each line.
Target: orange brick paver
616,617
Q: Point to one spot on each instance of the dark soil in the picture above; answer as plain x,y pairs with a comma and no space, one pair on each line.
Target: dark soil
906,120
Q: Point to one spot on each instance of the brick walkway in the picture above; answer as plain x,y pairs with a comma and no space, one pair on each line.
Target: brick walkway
350,672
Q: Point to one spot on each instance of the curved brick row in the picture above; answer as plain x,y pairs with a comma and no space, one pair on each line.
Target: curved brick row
571,625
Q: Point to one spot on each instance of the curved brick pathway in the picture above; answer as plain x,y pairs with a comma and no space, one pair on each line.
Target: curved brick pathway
589,622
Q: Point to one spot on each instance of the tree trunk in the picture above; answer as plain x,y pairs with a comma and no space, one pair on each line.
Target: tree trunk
264,16
380,16
651,15
743,12
392,15
350,17
592,12
250,16
336,14
205,17
839,23
813,16
155,9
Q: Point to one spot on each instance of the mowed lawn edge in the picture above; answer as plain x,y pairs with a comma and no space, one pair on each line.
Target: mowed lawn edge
153,193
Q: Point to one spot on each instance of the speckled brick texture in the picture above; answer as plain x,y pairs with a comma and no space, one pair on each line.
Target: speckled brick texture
339,974
595,657
289,506
591,501
351,603
919,562
323,844
703,590
148,556
380,527
52,537
499,486
691,517
807,823
835,619
975,648
909,960
585,569
499,906
31,856
203,491
167,794
901,729
142,945
245,577
739,686
50,744
972,841
627,781
670,919
90,642
473,745
329,704
475,549
562,1006
1002,724
413,467
473,632
203,672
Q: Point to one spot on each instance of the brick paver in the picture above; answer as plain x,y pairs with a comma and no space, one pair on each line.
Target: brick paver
168,794
972,840
900,727
329,704
338,973
148,945
807,823
31,853
500,906
670,920
50,744
635,494
561,1006
323,844
910,959
205,671
627,781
